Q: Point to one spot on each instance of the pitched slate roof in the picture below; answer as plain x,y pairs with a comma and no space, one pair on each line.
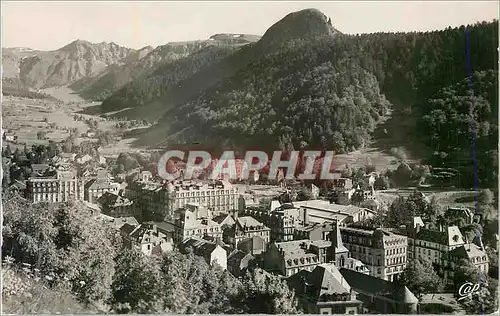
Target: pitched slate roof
200,246
327,282
249,222
39,168
18,185
128,228
468,251
368,284
446,237
224,219
324,279
237,257
111,199
96,184
120,221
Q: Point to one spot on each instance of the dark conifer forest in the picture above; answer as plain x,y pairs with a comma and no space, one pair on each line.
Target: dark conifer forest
328,89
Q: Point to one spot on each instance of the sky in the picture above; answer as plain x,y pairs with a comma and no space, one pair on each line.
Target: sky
48,25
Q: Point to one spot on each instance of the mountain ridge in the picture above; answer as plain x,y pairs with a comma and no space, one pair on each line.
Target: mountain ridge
95,70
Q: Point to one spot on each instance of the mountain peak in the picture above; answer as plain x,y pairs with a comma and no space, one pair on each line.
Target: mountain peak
300,25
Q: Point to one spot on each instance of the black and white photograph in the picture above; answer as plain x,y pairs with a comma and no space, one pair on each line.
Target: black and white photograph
249,157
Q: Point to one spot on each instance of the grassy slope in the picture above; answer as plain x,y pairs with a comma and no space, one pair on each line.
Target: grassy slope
23,294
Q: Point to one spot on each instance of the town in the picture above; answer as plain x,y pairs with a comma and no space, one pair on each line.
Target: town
333,244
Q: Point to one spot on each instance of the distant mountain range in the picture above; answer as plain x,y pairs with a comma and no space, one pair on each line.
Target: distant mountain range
99,69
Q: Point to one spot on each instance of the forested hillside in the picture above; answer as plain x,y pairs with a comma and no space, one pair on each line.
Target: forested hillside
461,121
315,86
147,89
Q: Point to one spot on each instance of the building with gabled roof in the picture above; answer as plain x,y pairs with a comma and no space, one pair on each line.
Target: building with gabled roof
246,227
379,295
324,291
115,205
459,213
212,251
238,262
356,265
473,252
433,245
290,257
40,169
119,222
225,220
320,211
145,237
195,223
96,187
326,241
17,187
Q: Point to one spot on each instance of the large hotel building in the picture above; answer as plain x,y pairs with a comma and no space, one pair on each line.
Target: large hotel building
219,196
61,186
384,253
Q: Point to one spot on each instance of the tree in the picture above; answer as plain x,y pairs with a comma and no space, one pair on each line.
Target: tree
347,172
304,195
136,286
483,302
466,272
7,152
358,197
420,278
193,286
265,204
264,293
68,145
370,168
486,197
89,268
381,183
399,153
470,231
399,214
403,174
64,241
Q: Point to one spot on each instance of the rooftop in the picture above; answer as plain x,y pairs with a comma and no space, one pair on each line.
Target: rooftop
199,246
468,251
372,285
326,206
451,236
250,222
296,250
